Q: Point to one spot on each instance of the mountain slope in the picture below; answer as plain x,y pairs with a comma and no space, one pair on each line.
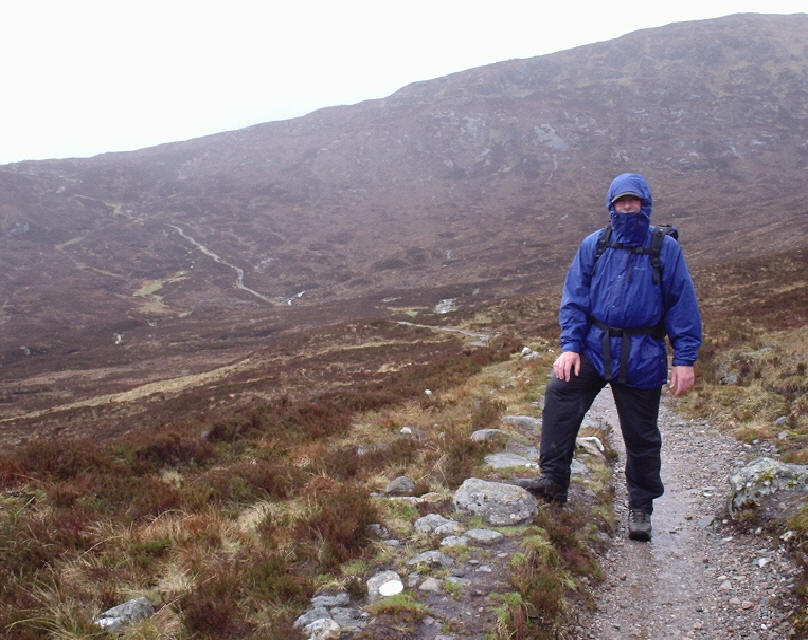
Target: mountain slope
476,185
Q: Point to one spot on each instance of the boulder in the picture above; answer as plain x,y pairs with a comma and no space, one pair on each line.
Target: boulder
401,486
499,504
763,477
116,618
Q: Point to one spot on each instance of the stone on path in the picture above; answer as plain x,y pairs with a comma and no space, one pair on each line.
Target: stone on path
525,422
497,503
324,628
349,618
590,444
484,536
506,460
436,523
330,600
578,468
484,435
305,619
384,584
430,584
433,559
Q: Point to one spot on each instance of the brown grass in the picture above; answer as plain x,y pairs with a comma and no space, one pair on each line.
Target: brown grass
167,510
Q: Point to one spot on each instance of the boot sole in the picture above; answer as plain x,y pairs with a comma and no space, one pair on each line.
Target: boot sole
639,536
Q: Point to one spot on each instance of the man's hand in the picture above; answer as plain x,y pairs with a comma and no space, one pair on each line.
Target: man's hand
565,364
682,380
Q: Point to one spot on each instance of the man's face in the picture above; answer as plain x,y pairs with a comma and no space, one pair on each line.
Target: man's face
628,204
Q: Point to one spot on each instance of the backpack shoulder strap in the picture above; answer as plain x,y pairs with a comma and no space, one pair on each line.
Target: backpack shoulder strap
603,241
657,237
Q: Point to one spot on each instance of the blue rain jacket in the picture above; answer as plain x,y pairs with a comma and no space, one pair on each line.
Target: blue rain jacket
619,291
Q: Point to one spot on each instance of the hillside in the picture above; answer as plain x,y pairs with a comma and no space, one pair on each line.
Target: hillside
476,186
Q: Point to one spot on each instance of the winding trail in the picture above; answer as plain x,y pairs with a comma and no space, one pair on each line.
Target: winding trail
216,258
482,337
698,578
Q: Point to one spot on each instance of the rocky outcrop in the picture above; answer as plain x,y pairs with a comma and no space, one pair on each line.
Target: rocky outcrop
762,478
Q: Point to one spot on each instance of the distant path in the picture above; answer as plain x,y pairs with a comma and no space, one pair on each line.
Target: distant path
239,272
482,337
698,578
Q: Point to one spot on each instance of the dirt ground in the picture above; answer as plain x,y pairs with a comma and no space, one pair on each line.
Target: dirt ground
698,578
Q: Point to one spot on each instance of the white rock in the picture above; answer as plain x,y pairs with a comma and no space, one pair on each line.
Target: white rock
383,584
391,588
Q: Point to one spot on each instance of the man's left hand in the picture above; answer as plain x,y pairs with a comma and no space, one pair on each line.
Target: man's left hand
682,380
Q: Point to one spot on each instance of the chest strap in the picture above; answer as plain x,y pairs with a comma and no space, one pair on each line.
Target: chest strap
657,331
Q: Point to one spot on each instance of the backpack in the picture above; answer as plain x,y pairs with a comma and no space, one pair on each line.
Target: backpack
657,236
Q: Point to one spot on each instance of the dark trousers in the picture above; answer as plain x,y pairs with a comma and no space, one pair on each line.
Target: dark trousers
566,404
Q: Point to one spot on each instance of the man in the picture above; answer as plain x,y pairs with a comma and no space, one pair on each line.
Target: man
616,307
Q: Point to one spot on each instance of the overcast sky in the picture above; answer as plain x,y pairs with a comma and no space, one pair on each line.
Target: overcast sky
81,77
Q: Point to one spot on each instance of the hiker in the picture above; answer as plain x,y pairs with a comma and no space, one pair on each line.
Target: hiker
628,286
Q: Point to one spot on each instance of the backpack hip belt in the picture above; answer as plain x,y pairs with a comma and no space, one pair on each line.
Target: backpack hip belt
657,331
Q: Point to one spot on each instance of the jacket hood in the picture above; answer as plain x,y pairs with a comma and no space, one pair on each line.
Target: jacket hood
630,228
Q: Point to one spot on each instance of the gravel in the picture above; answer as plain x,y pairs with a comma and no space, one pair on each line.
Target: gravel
699,577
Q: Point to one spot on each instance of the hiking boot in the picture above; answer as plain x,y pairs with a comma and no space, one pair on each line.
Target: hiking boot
544,488
639,525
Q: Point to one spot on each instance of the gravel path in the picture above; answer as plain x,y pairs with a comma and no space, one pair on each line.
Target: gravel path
698,578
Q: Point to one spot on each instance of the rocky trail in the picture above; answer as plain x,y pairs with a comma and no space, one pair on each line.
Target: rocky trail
699,578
